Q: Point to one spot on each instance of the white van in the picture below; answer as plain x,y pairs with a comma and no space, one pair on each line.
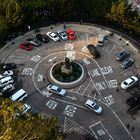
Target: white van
6,81
19,95
101,38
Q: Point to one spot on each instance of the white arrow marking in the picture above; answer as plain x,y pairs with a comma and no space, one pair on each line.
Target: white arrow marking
52,59
73,98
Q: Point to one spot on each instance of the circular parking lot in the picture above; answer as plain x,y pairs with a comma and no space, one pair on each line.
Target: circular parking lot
102,81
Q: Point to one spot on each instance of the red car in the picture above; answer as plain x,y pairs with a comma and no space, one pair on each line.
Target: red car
71,34
26,46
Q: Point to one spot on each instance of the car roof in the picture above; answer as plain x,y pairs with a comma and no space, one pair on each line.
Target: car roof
129,80
90,102
54,87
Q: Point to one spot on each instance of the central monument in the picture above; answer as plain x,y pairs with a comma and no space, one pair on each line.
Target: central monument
66,68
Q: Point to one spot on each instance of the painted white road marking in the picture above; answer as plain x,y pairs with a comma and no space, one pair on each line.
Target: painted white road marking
70,110
71,97
100,131
27,71
36,58
71,55
69,46
84,49
71,126
51,104
46,93
95,72
50,60
106,70
40,77
86,61
112,49
110,100
102,85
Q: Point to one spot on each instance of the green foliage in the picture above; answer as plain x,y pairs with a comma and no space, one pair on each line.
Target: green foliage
10,14
124,15
27,127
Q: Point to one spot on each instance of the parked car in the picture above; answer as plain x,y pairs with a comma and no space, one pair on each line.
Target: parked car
42,38
71,34
33,42
26,46
93,51
55,89
53,36
23,109
122,55
8,88
101,38
133,101
63,35
6,81
9,66
1,76
93,106
8,73
26,107
129,82
127,63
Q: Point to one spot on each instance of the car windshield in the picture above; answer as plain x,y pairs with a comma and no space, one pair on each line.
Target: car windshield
95,106
71,34
122,53
125,83
59,89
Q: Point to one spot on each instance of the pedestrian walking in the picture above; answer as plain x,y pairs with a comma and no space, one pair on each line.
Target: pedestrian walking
64,25
81,21
127,126
133,128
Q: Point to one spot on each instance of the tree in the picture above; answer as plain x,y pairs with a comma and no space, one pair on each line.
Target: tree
25,127
10,14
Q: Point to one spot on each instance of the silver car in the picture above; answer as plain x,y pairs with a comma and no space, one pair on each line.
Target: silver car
63,35
55,89
93,106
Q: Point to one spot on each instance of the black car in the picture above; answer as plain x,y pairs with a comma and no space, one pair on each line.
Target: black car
122,55
9,66
42,38
134,101
94,52
127,63
34,42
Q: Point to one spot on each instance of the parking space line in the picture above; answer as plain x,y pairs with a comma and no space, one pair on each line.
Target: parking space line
102,131
127,70
87,38
86,87
79,89
112,49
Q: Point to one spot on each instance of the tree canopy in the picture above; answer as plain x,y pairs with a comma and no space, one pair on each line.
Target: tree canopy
16,15
25,127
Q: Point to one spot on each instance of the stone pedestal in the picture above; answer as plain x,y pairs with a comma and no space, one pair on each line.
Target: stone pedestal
66,70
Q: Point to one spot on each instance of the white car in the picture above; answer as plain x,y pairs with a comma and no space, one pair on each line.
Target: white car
6,81
129,82
53,36
1,76
8,88
24,109
8,73
93,106
55,89
63,35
